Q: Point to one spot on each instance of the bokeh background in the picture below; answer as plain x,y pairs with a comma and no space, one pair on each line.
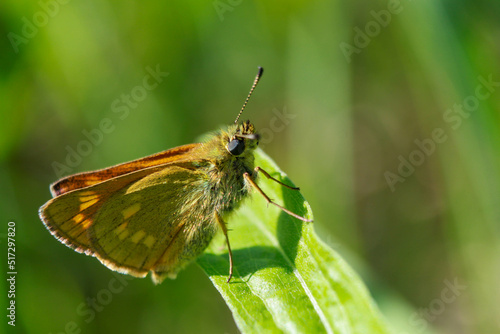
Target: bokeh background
380,111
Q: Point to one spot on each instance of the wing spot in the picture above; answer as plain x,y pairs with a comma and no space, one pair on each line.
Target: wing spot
86,224
88,203
131,210
123,235
78,218
149,241
88,197
121,228
137,236
122,231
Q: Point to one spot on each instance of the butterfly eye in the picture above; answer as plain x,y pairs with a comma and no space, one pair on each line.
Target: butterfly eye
236,146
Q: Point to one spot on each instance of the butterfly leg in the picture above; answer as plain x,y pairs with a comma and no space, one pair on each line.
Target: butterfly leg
266,174
249,179
223,226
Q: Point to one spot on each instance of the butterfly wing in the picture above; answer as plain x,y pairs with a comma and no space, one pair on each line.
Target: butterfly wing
162,223
69,216
155,219
86,179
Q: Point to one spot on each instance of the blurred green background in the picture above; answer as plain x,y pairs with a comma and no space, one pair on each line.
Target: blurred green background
380,111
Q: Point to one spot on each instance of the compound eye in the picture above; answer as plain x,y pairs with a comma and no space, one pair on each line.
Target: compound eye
236,146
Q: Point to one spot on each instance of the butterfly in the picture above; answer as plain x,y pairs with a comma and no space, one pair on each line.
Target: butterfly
158,213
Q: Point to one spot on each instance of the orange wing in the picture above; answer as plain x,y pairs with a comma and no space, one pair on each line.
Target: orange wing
86,179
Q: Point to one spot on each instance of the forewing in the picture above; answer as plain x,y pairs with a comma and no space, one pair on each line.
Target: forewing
133,219
148,219
87,179
70,216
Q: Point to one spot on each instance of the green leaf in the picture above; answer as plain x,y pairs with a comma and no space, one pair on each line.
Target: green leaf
286,279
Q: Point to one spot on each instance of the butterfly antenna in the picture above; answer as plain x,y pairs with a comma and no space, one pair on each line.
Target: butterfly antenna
255,82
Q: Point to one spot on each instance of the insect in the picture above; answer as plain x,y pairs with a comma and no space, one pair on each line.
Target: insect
158,213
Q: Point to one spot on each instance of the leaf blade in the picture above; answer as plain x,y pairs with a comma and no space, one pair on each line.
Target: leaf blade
286,279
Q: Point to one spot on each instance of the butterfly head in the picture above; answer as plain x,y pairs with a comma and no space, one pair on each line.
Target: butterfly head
242,138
